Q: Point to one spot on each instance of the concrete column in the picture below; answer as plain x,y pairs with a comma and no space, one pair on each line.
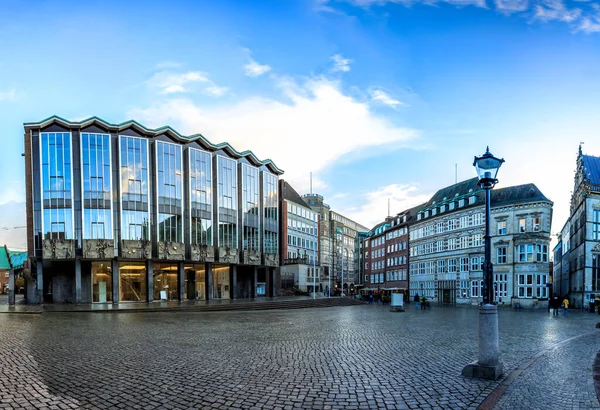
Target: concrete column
116,283
488,365
77,280
233,282
191,285
273,279
150,280
11,287
40,282
254,281
208,281
489,348
181,280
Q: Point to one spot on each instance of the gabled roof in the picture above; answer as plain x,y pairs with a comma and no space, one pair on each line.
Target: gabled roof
591,168
155,132
290,194
516,194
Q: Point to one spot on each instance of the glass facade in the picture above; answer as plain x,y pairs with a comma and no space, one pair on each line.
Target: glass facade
57,185
270,215
170,192
165,281
101,282
200,171
250,208
220,282
227,194
132,282
97,204
135,199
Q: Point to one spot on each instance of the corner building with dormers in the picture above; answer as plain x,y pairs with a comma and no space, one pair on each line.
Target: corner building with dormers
447,245
122,212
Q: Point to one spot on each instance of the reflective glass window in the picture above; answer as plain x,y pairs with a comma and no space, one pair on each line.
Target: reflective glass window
227,199
200,170
169,189
97,204
135,203
251,207
101,282
270,213
56,185
220,283
165,277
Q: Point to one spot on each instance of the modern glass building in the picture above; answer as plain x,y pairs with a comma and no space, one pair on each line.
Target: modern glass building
121,212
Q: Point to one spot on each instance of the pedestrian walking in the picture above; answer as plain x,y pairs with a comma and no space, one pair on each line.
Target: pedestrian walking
565,305
555,303
416,299
370,298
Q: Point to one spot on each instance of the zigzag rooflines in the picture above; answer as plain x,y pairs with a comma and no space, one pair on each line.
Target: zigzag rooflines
155,132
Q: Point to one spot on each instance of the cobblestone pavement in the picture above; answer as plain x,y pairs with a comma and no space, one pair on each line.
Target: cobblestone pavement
338,358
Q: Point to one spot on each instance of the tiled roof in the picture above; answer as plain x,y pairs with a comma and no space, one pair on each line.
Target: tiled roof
516,194
154,132
591,166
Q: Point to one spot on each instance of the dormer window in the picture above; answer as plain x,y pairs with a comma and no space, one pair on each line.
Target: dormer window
461,203
442,208
419,217
472,200
433,211
451,206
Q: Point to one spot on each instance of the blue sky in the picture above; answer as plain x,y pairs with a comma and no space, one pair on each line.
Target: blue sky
379,99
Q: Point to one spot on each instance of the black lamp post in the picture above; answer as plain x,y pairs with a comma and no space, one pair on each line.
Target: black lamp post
488,365
487,167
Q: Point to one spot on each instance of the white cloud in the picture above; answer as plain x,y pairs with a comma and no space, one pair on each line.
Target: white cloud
556,10
169,82
9,95
512,6
312,126
374,207
384,98
340,63
253,69
216,91
585,17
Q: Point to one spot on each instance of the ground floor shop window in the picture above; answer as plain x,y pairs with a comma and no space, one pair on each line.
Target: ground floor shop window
101,282
220,282
165,281
198,272
132,282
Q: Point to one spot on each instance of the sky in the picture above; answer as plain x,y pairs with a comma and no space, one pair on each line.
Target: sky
379,99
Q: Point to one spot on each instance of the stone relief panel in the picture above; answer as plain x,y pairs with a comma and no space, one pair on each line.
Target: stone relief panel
271,259
173,251
251,257
202,253
228,255
98,249
58,249
136,249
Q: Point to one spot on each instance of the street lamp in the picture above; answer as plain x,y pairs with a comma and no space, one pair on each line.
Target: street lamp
488,365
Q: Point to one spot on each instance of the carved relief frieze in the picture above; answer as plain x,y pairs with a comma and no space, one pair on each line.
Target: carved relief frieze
173,251
202,253
271,259
251,257
98,249
228,255
136,249
58,249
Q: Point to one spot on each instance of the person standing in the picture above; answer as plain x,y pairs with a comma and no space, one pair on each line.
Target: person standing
555,304
565,305
416,299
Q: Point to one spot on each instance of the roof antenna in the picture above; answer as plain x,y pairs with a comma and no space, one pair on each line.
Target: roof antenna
311,183
389,207
456,173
